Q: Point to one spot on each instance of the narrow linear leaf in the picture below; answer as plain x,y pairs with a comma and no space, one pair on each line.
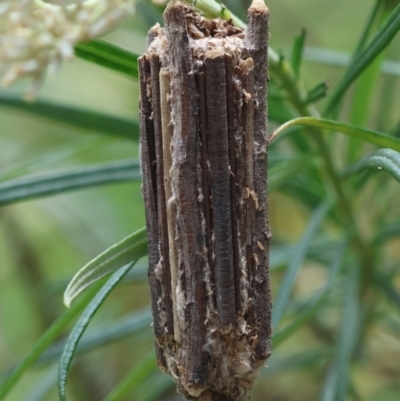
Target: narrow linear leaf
387,233
46,339
103,335
109,56
25,188
317,93
298,360
349,333
281,173
297,52
338,382
131,382
367,83
278,111
364,58
329,388
81,325
42,387
396,130
388,289
362,134
341,59
45,159
299,255
76,117
130,249
364,91
361,104
371,21
383,159
317,301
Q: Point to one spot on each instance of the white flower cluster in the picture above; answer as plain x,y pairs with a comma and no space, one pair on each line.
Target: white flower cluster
37,36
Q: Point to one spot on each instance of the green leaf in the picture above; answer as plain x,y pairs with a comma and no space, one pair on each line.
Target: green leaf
134,378
130,249
42,387
109,56
361,104
101,335
213,9
338,380
298,360
362,134
75,117
364,58
363,93
278,111
368,81
383,159
51,334
349,333
318,300
26,188
282,172
297,52
342,59
329,388
317,93
66,150
299,255
371,21
388,289
387,233
81,325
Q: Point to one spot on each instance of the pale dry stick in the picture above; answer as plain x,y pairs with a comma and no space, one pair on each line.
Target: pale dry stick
167,132
163,270
206,190
230,111
247,207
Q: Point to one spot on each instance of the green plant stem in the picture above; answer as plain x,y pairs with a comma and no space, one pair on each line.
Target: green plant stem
212,9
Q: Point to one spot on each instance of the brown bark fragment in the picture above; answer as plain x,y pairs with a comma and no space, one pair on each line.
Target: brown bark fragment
167,133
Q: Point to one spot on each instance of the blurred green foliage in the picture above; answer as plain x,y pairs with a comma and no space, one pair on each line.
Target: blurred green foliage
334,214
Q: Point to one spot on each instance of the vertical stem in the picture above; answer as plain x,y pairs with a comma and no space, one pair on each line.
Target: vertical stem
163,267
201,86
257,43
184,179
232,163
220,185
149,189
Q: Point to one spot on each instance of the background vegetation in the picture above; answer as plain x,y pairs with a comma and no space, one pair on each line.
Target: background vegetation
335,215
